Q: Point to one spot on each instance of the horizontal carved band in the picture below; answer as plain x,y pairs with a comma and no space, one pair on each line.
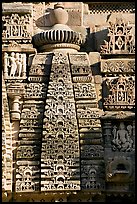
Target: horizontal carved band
115,65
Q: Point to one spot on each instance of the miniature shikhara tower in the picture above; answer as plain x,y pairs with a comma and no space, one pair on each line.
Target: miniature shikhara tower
52,137
68,116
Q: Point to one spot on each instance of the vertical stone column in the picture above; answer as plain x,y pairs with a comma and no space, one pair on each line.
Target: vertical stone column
5,65
15,111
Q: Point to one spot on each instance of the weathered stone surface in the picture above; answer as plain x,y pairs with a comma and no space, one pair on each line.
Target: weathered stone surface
68,101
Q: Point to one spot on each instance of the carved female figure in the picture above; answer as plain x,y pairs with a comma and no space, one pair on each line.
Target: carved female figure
13,64
19,64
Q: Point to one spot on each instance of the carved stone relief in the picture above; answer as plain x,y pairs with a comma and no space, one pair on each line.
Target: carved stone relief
120,39
118,66
16,28
35,90
60,141
92,175
122,137
26,178
14,65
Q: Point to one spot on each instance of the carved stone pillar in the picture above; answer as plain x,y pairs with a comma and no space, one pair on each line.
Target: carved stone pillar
15,93
5,65
15,111
107,133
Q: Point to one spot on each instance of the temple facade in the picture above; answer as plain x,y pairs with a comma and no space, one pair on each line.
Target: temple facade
68,102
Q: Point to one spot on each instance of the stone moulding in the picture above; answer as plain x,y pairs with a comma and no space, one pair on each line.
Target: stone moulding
50,47
118,115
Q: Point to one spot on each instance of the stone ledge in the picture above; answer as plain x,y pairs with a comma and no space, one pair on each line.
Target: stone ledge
8,8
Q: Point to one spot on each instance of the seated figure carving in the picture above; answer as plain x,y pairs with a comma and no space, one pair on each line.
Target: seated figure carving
122,137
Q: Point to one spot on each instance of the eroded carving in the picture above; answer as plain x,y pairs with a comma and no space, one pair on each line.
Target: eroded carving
122,137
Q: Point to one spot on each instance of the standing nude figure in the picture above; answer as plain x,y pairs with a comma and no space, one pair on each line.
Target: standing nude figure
13,64
19,64
16,64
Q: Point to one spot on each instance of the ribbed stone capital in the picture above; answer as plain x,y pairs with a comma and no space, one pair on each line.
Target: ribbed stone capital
60,36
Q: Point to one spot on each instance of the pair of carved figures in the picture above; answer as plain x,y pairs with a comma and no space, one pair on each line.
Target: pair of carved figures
122,137
15,63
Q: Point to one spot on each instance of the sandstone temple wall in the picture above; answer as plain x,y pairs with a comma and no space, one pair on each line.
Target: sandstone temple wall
68,101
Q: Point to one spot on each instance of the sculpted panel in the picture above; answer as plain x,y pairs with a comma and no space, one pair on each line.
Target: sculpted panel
122,137
14,65
35,90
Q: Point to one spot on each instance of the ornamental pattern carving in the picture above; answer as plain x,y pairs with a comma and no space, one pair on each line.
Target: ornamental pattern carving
87,112
120,39
27,152
92,175
60,141
92,151
27,179
121,93
14,65
83,90
35,90
16,28
122,137
118,66
79,64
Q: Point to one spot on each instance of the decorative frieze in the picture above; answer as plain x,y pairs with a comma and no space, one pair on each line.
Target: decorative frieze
110,66
92,152
16,27
84,91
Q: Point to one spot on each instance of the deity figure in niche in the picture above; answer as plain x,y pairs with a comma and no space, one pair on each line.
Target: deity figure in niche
121,94
122,137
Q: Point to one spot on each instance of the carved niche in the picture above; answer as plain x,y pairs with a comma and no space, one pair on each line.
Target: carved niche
120,39
122,137
121,93
119,169
14,65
